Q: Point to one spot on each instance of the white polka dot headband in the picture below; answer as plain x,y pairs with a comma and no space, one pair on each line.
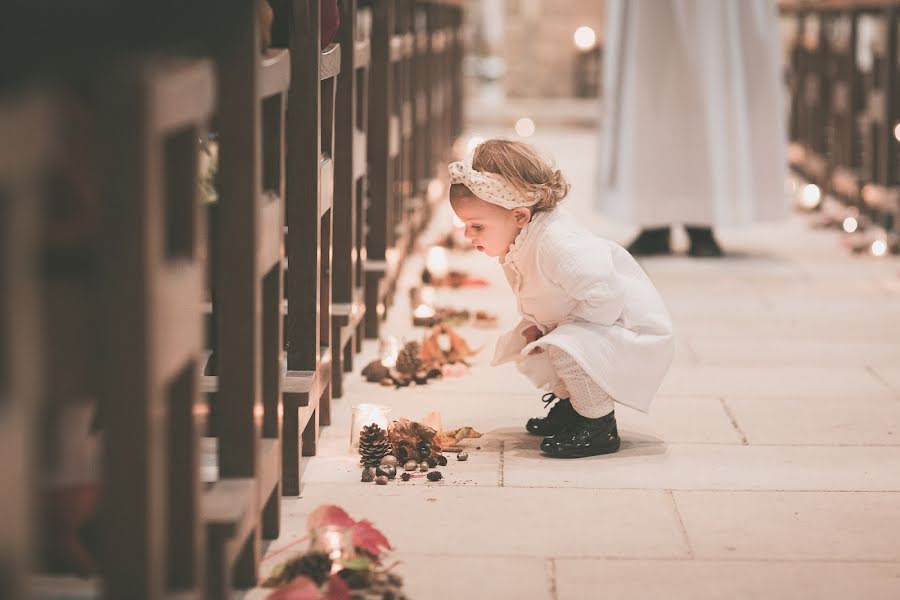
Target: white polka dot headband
490,187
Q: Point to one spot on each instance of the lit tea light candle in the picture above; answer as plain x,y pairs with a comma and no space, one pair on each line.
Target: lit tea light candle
437,263
334,541
364,415
423,311
423,316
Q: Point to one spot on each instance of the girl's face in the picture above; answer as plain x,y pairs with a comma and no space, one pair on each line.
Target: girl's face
489,227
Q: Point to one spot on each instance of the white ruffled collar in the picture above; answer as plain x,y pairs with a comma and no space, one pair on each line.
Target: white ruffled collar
530,232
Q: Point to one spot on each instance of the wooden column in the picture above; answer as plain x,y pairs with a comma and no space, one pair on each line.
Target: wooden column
151,282
382,153
309,198
348,308
25,132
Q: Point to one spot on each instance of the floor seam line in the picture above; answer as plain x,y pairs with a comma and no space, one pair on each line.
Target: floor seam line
551,579
681,525
734,422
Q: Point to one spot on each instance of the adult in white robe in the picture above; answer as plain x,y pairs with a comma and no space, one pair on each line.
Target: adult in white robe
693,127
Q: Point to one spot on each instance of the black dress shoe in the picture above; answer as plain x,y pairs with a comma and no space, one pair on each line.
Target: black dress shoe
585,437
561,415
650,242
703,244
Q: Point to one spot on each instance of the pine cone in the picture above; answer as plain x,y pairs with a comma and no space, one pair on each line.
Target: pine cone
409,360
315,565
373,445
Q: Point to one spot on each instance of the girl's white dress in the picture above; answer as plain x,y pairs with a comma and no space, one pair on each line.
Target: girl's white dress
608,315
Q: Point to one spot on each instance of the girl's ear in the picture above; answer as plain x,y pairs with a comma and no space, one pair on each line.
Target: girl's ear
521,216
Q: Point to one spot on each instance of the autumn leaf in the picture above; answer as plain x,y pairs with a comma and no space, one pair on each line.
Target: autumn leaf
299,588
453,437
370,539
337,588
329,514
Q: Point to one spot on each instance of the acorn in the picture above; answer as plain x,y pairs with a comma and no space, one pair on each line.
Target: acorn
462,455
404,476
423,467
410,465
442,460
424,450
386,471
434,476
381,480
390,460
368,475
432,462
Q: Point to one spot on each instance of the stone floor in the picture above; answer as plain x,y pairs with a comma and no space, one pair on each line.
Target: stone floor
769,466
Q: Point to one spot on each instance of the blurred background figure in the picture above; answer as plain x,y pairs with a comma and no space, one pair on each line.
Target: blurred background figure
693,129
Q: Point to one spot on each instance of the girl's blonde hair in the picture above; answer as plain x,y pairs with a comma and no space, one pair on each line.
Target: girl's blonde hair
521,165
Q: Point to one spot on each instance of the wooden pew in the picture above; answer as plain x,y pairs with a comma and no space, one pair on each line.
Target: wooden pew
383,153
350,189
309,199
841,124
25,146
150,283
814,87
243,505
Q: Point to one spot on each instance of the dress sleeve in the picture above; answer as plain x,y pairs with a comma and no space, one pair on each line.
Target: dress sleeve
584,270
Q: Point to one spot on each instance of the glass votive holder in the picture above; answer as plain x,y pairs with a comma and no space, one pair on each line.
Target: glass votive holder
336,542
366,414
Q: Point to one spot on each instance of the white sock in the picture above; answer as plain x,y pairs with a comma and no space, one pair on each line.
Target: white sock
588,399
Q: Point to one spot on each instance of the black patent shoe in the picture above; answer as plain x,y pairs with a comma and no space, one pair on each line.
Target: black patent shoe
585,437
652,242
703,244
560,415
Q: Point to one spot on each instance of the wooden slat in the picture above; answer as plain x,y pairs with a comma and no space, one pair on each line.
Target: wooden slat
393,136
275,74
182,92
438,41
397,47
179,340
230,505
360,158
269,252
409,44
25,134
406,119
362,50
326,178
151,282
331,62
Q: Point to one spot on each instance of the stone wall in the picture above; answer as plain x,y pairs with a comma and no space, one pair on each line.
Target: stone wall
538,44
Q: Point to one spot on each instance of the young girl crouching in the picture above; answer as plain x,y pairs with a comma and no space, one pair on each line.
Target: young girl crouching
594,329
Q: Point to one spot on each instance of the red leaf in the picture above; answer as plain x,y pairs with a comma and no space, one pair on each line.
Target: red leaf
300,588
329,514
337,588
370,539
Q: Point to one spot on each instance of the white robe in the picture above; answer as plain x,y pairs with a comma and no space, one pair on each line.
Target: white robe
608,315
693,120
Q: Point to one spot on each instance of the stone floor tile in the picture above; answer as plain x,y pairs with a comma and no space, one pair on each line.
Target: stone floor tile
642,464
791,352
433,577
824,420
717,580
774,382
461,521
847,526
